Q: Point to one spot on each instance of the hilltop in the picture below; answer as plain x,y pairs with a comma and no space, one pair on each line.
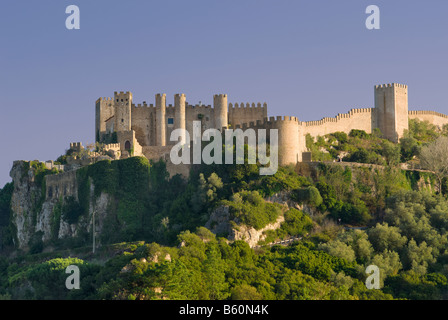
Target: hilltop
210,236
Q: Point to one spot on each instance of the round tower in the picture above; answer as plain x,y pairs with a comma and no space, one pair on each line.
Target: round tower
179,114
220,111
288,140
160,119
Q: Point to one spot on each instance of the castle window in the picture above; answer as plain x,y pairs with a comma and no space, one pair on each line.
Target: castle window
170,120
127,146
122,120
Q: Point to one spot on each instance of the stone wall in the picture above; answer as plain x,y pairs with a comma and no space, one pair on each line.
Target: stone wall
361,119
436,118
240,113
61,185
390,115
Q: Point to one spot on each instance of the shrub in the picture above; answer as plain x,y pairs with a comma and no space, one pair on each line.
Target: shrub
251,209
309,195
355,133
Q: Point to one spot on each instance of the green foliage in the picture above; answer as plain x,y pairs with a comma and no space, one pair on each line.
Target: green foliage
285,179
71,210
411,285
128,181
423,131
48,279
7,233
40,171
35,243
355,133
391,152
406,230
309,195
339,249
249,208
296,223
55,220
385,237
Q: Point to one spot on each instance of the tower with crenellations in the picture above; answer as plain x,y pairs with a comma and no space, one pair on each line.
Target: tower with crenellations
391,107
145,129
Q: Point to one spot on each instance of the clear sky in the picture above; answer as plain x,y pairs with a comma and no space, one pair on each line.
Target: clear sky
309,59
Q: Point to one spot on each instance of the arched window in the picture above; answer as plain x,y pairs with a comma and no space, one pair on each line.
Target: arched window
127,146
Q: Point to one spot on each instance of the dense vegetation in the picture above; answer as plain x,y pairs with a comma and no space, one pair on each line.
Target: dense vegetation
359,146
154,245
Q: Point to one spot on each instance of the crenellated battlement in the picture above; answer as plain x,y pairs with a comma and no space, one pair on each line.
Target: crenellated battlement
153,123
424,112
75,145
112,146
266,122
198,106
105,99
340,116
246,105
143,105
391,85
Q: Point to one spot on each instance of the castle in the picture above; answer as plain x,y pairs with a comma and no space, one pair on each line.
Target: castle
144,129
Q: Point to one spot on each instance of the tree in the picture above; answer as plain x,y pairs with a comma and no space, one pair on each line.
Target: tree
309,195
391,152
245,292
387,237
389,264
418,257
213,270
434,157
339,249
409,147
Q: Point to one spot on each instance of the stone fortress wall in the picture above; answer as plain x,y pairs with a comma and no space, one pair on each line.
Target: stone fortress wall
436,118
146,128
139,128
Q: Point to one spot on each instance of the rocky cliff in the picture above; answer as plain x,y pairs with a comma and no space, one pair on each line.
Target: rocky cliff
37,204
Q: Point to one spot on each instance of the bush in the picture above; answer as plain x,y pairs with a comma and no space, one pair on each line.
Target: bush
309,195
340,136
296,223
251,209
355,133
71,210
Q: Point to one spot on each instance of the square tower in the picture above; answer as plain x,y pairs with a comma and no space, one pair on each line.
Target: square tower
391,109
122,104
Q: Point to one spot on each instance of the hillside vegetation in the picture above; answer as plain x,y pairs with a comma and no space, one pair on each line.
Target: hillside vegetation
154,244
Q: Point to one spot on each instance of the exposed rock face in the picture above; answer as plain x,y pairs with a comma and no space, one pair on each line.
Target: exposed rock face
220,222
251,235
23,201
34,211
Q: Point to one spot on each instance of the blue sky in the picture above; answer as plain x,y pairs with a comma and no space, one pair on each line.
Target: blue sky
309,59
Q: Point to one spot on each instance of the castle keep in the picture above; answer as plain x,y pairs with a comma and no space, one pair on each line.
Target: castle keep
142,129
